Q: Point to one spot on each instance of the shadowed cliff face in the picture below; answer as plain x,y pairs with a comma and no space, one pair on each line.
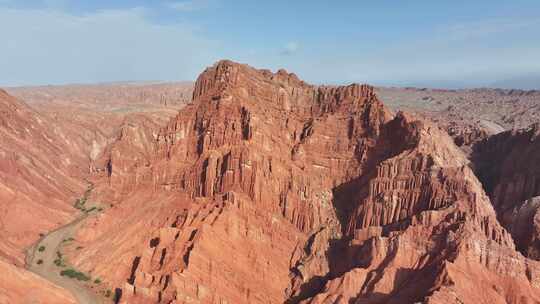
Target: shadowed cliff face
266,189
508,164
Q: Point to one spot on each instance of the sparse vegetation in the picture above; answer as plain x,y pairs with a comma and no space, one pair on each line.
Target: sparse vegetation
68,240
90,210
39,262
74,274
79,247
41,248
97,281
80,202
59,261
108,293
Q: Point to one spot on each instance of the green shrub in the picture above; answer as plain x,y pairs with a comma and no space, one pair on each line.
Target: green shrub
90,210
40,261
79,203
74,274
97,281
108,293
59,261
41,248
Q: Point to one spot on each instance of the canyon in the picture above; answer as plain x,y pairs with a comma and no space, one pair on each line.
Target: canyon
48,142
253,186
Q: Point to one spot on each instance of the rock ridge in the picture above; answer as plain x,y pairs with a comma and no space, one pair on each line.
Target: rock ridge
265,189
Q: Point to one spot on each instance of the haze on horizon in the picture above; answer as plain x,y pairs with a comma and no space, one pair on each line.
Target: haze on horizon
447,44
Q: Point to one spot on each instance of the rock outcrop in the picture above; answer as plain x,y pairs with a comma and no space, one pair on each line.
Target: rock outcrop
266,189
423,231
508,164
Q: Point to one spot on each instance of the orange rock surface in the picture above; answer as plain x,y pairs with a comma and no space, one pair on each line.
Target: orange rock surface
266,189
36,186
46,152
20,286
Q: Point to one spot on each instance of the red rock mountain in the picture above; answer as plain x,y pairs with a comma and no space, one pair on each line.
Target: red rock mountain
509,166
266,189
90,115
36,182
46,150
37,178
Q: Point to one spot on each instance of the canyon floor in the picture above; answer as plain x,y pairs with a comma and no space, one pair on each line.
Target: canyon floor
43,262
250,186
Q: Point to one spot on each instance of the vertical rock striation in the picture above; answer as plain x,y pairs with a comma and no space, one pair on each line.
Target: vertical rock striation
266,189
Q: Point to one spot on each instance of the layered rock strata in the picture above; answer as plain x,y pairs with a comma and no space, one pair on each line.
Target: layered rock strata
266,189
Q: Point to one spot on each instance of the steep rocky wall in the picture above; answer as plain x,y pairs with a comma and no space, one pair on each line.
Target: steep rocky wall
421,220
508,164
266,189
265,150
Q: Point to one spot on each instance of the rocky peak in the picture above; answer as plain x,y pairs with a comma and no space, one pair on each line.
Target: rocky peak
215,78
229,79
319,194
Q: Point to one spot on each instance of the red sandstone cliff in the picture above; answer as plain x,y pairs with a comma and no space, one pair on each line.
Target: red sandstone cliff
266,189
508,164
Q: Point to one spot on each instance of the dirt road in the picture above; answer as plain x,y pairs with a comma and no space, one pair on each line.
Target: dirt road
41,258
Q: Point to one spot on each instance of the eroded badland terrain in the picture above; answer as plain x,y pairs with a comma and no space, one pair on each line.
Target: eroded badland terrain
250,186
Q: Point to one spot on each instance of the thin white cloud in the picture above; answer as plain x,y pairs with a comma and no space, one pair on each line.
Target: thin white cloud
52,46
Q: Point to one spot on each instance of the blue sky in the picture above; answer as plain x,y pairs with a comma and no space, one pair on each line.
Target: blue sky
387,42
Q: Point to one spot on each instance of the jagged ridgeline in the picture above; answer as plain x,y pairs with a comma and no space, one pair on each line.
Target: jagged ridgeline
266,189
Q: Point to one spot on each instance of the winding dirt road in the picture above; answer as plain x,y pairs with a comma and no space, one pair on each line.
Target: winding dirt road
52,243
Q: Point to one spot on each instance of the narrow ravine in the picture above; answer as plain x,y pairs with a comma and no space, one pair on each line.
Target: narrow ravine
45,258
